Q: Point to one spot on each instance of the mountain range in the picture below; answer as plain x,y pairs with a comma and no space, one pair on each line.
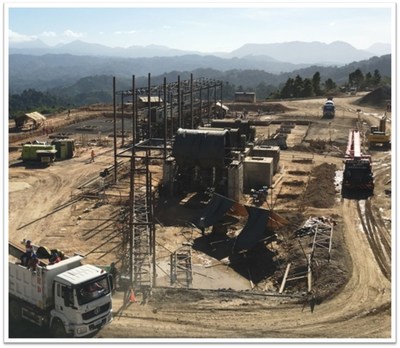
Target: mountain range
295,52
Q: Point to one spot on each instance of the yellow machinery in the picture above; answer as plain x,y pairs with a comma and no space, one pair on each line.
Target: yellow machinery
378,136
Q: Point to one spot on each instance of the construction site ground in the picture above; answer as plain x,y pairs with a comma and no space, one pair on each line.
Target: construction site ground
351,294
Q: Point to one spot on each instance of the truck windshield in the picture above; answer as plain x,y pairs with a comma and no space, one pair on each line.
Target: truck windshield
90,291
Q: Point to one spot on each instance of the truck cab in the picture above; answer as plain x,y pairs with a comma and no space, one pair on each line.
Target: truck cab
82,301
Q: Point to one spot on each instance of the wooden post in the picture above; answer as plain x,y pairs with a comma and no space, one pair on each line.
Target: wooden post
309,274
284,278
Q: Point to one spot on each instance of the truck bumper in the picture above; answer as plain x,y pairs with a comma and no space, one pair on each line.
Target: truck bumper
87,329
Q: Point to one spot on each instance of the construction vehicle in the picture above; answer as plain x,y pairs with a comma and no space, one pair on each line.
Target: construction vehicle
38,152
357,173
67,297
328,110
379,136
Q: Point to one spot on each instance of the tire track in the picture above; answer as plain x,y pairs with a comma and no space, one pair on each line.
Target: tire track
380,247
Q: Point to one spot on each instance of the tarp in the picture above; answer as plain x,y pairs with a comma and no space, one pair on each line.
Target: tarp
215,210
203,148
36,117
254,231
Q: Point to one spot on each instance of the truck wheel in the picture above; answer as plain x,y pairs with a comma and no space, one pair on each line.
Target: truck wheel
58,329
14,311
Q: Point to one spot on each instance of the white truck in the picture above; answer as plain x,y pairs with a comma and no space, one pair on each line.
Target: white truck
328,110
71,299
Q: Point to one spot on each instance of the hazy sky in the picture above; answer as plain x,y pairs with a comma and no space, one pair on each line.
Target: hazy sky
206,29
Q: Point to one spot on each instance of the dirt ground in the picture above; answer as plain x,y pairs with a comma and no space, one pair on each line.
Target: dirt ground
351,297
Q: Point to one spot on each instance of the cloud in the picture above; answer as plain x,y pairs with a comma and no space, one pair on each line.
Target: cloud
126,32
332,24
167,27
70,33
48,34
16,37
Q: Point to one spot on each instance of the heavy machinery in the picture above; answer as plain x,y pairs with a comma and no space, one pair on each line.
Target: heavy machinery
328,110
357,173
38,152
69,298
379,136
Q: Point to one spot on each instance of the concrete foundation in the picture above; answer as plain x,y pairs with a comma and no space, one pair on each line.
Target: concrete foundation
268,151
258,172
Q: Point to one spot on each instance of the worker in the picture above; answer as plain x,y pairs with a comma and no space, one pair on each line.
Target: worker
54,258
28,253
32,262
114,273
92,156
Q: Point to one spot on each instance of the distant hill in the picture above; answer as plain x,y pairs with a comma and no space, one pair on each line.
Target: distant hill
295,52
98,88
50,70
335,53
380,49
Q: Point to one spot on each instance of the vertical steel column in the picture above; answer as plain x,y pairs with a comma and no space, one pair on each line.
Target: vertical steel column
191,101
165,119
221,110
171,96
215,98
134,114
115,132
122,110
131,214
208,101
201,106
179,103
149,105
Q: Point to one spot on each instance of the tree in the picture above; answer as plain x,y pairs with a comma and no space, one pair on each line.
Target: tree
329,85
297,86
316,81
288,90
308,90
356,78
377,77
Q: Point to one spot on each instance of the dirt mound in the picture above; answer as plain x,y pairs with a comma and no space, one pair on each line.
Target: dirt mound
378,97
321,189
259,107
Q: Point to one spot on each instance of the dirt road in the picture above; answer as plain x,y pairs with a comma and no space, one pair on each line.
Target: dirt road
361,309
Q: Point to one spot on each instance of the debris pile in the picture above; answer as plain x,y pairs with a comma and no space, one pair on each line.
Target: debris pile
312,224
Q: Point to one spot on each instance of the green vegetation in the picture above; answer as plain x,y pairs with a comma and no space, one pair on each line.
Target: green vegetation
303,88
32,100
